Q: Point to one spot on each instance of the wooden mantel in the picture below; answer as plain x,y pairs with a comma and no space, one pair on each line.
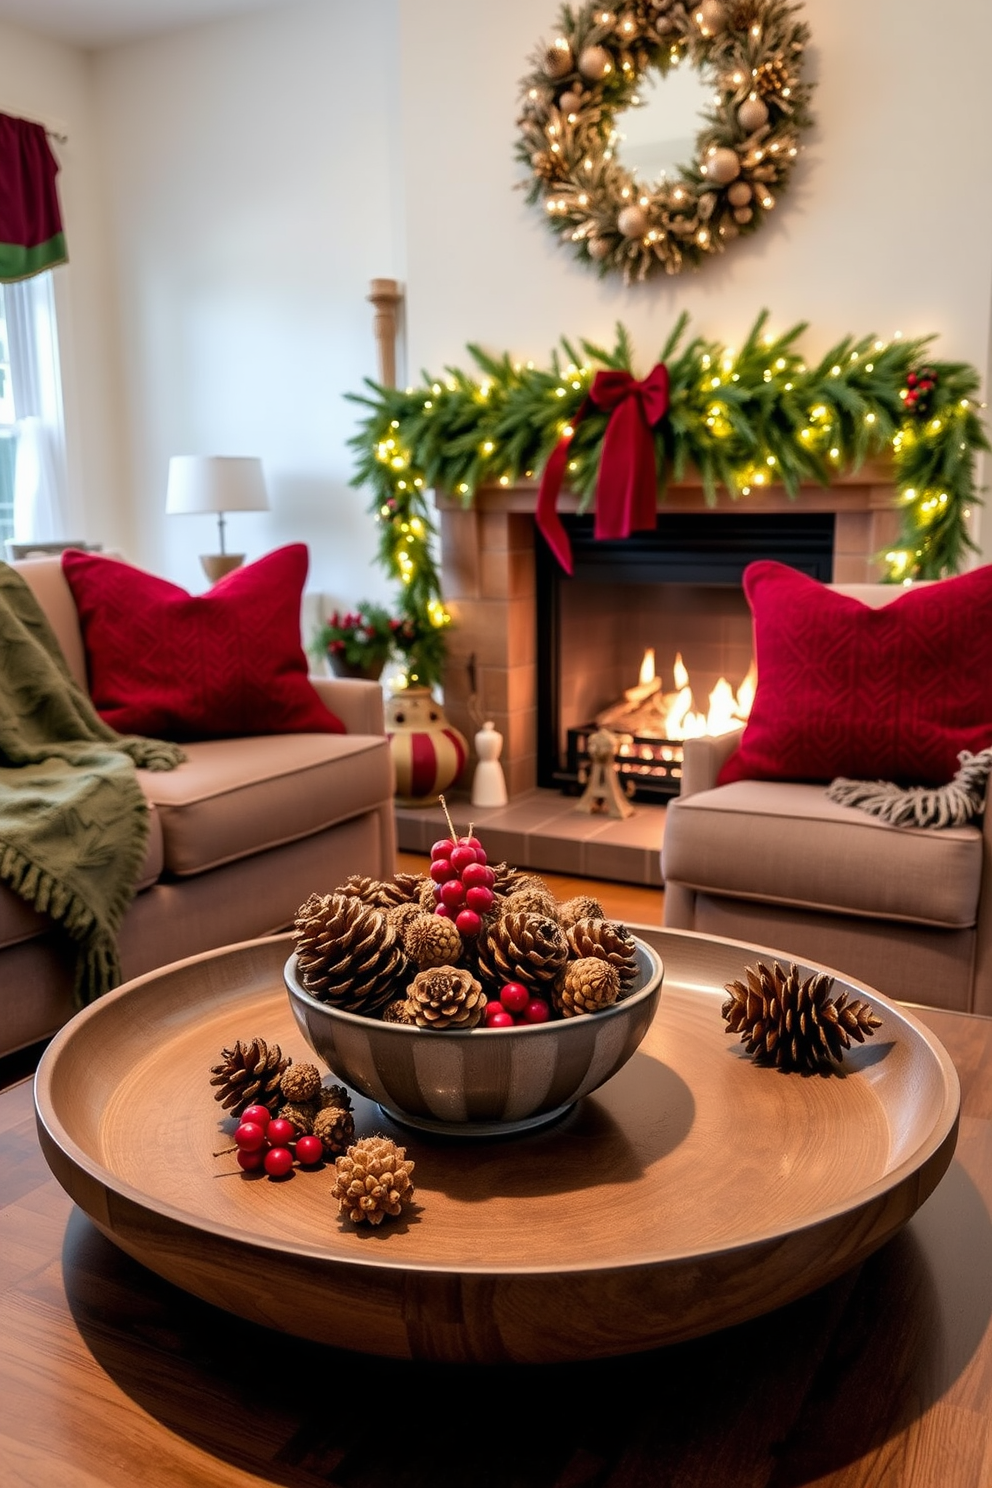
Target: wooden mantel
488,575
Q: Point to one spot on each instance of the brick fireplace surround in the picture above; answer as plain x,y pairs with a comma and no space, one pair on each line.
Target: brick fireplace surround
489,578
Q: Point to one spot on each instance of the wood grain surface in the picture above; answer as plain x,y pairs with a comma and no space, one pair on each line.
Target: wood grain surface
110,1376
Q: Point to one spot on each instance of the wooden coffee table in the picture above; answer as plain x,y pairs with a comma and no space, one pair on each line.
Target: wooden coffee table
112,1376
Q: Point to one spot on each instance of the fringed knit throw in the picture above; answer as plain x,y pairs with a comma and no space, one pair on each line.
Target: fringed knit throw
950,805
73,819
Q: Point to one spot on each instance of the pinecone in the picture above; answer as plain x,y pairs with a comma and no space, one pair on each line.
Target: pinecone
588,986
446,997
401,915
373,1181
334,1095
531,900
382,893
521,947
348,953
508,880
789,1020
609,940
249,1075
399,1011
432,940
582,907
301,1114
772,76
300,1082
335,1126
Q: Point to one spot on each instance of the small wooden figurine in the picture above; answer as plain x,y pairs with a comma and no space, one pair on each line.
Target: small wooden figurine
603,792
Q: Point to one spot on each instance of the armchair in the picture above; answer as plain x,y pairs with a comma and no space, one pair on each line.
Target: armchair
776,863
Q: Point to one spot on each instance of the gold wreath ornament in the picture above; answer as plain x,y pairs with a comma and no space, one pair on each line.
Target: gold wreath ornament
751,53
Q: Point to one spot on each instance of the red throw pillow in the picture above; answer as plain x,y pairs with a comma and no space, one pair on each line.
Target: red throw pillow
874,694
224,664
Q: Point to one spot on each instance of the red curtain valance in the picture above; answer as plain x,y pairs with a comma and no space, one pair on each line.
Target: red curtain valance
31,236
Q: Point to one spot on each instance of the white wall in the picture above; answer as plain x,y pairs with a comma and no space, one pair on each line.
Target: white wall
260,170
52,84
249,164
886,225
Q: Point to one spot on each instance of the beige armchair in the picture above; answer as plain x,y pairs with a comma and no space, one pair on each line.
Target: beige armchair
907,910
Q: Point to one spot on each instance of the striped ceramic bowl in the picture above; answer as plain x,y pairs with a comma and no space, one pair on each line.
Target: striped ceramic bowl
483,1081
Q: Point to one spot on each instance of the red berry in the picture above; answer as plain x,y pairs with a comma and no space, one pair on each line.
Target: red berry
476,846
444,911
468,922
452,893
442,849
499,1017
278,1161
309,1150
441,870
251,1161
462,857
514,997
249,1136
911,379
260,1115
480,900
279,1132
478,876
537,1011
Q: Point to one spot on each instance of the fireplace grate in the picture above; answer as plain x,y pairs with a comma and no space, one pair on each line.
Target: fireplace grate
650,768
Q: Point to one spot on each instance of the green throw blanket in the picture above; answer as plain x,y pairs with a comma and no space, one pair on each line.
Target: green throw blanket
74,822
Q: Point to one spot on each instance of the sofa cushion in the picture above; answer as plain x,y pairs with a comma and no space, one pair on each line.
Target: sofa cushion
845,689
234,797
18,921
171,665
788,844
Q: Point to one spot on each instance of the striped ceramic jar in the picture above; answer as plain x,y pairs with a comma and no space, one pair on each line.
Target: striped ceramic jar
428,753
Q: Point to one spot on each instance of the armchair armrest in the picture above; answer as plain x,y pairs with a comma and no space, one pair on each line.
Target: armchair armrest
356,702
702,760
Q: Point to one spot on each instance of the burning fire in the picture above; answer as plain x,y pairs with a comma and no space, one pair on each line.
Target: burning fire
727,710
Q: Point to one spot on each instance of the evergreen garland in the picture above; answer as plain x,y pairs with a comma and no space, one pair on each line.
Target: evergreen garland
746,418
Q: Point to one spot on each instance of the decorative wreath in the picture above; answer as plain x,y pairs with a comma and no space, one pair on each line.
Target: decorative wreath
753,52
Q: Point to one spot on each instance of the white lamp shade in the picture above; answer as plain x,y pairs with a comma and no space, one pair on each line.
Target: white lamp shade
215,483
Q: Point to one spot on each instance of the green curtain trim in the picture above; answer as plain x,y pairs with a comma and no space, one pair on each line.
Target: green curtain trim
18,262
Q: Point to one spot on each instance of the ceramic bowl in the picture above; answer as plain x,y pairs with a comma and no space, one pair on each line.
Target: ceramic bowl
482,1081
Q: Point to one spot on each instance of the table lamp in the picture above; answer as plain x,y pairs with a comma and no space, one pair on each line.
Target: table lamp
216,483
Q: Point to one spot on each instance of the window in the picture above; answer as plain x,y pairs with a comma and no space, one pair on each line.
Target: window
32,439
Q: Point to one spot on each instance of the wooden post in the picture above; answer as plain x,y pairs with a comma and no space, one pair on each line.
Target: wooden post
385,295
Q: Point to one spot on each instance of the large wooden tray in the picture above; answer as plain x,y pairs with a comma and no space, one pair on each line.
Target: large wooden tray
692,1191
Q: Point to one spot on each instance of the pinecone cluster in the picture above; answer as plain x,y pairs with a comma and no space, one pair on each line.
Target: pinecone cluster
379,949
791,1021
255,1073
372,1181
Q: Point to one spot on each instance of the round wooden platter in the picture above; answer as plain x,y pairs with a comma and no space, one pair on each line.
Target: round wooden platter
693,1191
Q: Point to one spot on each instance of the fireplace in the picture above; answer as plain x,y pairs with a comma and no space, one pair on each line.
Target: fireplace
495,582
675,594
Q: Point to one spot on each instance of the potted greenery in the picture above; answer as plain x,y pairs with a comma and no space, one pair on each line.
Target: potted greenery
358,643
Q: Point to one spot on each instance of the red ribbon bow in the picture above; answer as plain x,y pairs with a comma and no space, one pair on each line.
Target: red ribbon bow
627,485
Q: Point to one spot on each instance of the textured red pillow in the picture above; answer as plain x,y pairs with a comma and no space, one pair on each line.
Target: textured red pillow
224,664
874,694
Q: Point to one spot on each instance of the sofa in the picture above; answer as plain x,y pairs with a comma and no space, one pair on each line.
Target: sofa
775,862
241,834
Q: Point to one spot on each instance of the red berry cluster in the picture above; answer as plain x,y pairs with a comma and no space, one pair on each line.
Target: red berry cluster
463,884
267,1141
515,1005
919,390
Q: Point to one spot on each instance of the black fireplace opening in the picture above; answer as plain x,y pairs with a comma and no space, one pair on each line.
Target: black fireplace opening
676,590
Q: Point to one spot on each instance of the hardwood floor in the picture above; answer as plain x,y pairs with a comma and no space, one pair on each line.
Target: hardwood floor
631,903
